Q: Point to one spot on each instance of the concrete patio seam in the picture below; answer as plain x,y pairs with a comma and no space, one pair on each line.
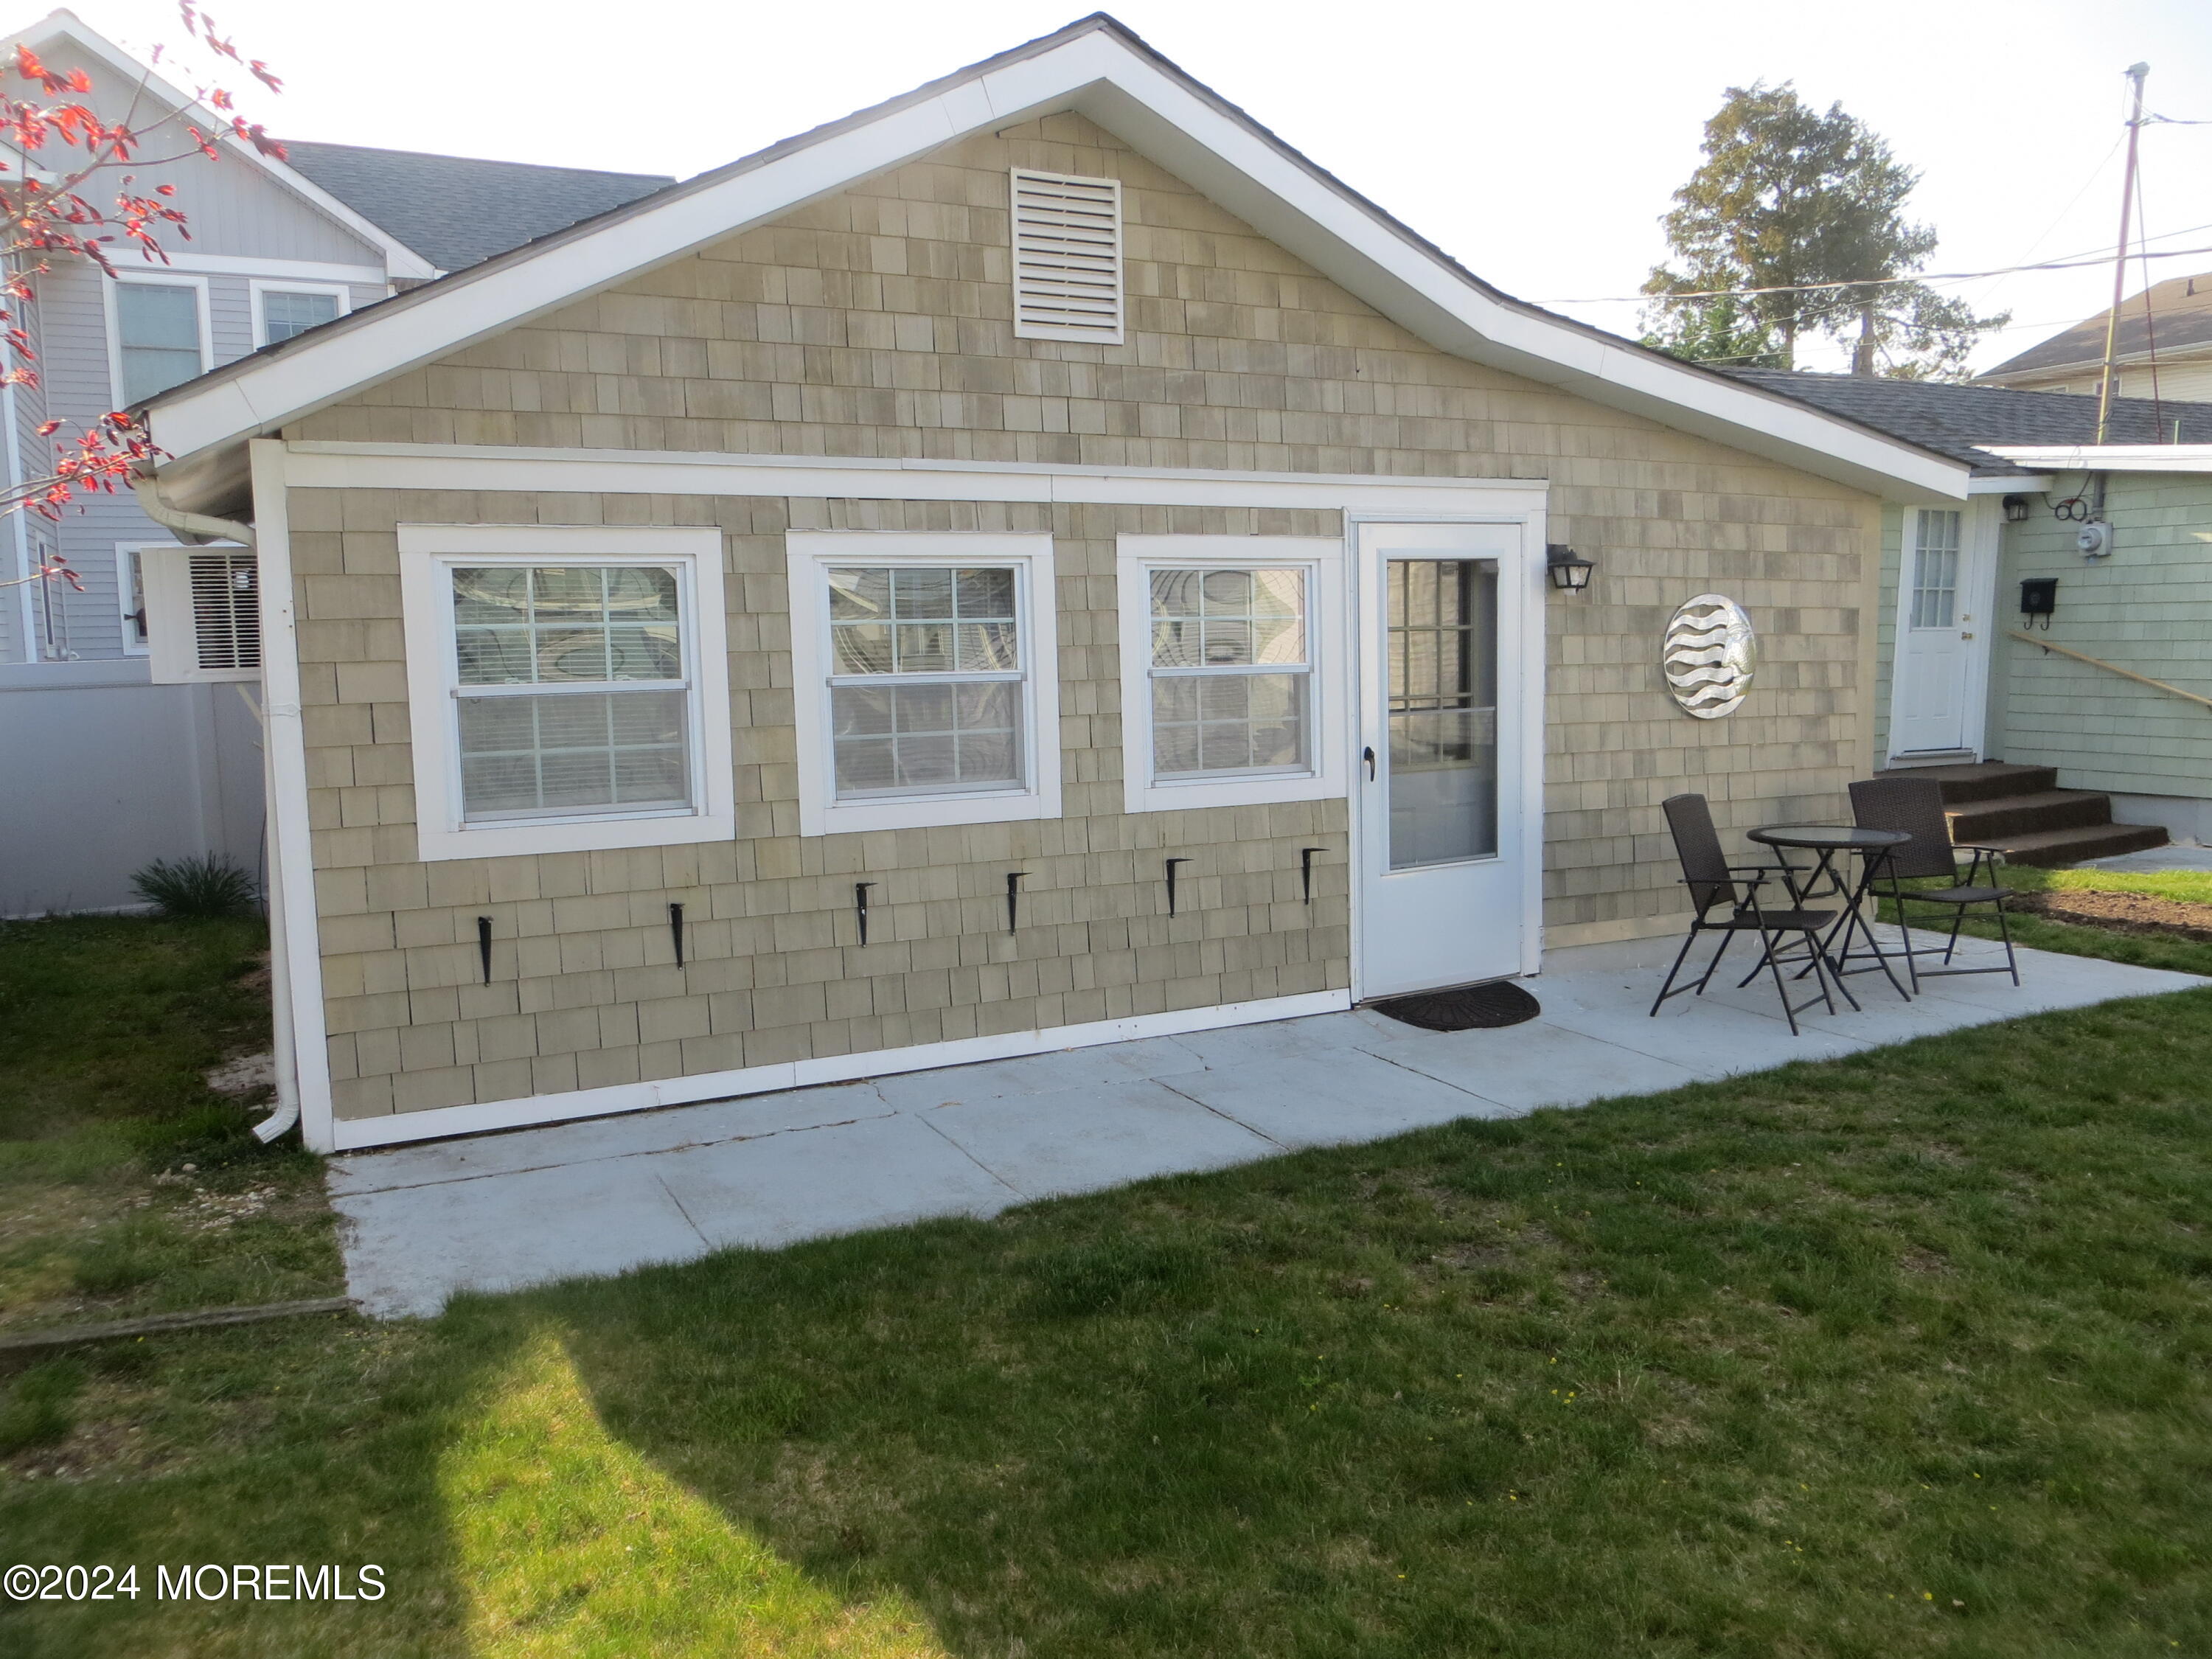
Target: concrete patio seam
922,1118
1226,1117
618,1158
704,1243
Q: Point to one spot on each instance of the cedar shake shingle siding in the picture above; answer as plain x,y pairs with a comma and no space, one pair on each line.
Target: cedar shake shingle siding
877,322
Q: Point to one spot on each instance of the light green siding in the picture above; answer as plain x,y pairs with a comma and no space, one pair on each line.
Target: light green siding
2147,607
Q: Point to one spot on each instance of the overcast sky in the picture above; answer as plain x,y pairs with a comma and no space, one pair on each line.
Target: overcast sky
1537,143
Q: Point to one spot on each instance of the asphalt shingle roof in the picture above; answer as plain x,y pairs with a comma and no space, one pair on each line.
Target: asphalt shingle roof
454,211
1958,421
2180,318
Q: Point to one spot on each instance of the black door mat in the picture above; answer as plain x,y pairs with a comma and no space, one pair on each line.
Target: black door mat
1468,1008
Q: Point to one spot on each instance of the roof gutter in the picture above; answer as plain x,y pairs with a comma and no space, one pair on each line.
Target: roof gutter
193,529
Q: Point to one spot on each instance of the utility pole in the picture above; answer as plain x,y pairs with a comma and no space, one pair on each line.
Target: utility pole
2136,72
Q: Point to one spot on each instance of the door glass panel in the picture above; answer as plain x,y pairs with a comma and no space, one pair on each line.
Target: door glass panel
1936,570
1441,624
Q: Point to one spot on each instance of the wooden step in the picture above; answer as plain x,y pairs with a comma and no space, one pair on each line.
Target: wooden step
1988,822
2052,848
1984,780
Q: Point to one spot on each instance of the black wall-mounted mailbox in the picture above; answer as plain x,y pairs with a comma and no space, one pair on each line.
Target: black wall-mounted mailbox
2039,596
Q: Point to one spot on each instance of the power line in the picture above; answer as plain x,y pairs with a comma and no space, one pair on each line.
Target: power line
1864,282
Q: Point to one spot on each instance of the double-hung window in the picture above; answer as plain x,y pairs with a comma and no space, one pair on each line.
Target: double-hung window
160,330
924,667
568,686
282,310
1226,644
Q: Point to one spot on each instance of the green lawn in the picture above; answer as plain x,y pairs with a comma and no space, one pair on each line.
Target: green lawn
2143,949
1906,1354
126,1186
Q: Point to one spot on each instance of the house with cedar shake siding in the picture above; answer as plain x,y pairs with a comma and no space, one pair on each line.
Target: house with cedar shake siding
1036,563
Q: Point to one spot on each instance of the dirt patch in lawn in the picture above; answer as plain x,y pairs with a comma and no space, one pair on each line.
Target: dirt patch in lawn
2121,913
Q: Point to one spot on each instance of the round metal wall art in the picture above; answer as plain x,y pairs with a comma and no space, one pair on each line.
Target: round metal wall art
1710,656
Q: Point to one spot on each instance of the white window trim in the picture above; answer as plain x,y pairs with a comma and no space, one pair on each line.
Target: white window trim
1328,656
259,288
125,553
810,554
151,279
426,551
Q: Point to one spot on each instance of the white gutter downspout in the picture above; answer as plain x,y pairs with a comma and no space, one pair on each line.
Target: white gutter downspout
196,530
193,529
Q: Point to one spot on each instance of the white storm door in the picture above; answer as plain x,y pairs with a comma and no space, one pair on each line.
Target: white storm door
1931,707
1443,895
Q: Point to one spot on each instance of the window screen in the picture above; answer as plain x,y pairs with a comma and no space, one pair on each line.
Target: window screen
1232,673
925,671
571,690
158,329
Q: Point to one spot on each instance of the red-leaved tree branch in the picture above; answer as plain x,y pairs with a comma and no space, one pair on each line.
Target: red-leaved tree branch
66,154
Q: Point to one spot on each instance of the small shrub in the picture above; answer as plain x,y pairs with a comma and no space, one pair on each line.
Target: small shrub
208,886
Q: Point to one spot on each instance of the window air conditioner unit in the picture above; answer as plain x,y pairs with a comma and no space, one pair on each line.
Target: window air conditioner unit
203,614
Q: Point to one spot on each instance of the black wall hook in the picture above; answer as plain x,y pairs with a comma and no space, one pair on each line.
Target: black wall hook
1305,869
1171,883
676,931
1013,895
484,945
861,906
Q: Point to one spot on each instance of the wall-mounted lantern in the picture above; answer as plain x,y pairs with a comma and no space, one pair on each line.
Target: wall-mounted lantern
1570,572
2017,509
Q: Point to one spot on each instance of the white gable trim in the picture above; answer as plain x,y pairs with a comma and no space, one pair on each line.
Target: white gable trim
2108,457
1097,73
399,259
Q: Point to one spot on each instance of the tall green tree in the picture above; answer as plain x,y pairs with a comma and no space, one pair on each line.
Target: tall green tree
1788,198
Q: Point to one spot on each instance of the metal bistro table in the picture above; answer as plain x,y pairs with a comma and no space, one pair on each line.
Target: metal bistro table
1826,842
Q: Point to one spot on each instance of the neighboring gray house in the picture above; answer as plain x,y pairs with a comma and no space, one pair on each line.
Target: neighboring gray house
103,766
2101,707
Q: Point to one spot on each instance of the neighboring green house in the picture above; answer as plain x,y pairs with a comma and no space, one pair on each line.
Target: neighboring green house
2108,687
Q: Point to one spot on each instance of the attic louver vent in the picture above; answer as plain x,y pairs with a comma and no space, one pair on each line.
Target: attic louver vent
203,614
1068,258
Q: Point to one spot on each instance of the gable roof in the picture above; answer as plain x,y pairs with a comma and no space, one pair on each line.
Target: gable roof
1968,423
399,259
2179,321
457,211
1099,69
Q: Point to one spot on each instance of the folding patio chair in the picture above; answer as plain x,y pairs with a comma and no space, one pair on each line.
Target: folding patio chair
1915,806
1714,882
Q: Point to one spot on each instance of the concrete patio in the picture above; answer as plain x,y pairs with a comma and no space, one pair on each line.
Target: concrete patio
500,1212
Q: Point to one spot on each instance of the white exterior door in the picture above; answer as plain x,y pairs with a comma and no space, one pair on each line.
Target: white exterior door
1445,888
1936,704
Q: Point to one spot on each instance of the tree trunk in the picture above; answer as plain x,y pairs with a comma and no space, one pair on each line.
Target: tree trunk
1863,353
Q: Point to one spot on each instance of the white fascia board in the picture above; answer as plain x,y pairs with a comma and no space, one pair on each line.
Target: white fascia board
2109,458
316,465
2016,483
295,270
1215,154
